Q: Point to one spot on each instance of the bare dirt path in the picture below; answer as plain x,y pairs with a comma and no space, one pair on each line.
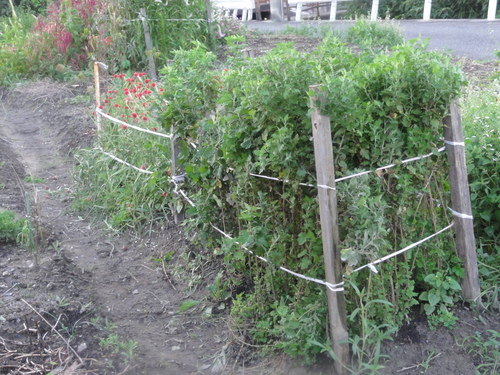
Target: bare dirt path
85,273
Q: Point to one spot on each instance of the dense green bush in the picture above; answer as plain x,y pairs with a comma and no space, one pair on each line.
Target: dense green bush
414,9
70,34
481,120
384,108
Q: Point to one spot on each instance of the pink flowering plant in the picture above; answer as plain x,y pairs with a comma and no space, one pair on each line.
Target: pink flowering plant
133,197
226,26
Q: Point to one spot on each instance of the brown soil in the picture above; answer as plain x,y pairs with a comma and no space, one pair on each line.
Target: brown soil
54,315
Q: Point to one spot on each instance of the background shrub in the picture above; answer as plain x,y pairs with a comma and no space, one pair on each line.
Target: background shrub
414,9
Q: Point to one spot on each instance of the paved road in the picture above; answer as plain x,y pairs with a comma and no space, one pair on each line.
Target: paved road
475,39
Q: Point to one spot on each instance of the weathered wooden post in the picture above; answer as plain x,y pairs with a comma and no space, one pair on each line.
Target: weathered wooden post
325,172
427,10
460,199
97,90
149,46
177,171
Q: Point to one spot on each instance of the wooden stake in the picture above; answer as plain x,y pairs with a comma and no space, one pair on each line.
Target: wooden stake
97,90
177,171
149,46
461,204
325,172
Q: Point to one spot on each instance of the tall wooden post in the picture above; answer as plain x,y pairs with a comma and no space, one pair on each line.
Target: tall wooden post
460,199
149,45
325,172
97,90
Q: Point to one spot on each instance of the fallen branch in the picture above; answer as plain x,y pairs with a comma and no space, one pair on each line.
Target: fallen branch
419,364
53,328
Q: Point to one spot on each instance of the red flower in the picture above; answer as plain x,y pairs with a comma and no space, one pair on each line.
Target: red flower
117,105
145,118
143,167
154,85
134,115
124,126
107,41
147,80
154,129
106,101
115,75
164,194
100,107
144,104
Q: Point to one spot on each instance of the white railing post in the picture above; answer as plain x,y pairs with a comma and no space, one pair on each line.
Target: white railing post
374,14
333,10
492,10
427,10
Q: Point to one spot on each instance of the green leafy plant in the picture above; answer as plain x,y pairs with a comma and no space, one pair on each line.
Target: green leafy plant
10,226
219,290
439,298
485,347
365,346
34,180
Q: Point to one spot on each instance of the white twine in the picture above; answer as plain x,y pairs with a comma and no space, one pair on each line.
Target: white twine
451,143
115,120
279,179
124,162
388,166
350,176
372,264
332,287
460,215
102,65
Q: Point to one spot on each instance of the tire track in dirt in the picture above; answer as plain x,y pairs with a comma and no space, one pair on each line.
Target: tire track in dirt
119,275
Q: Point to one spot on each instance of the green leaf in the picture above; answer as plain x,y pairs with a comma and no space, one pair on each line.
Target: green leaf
429,309
447,299
454,285
188,304
433,298
485,215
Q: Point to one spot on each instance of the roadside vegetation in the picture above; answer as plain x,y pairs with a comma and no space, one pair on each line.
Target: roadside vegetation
386,98
414,9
